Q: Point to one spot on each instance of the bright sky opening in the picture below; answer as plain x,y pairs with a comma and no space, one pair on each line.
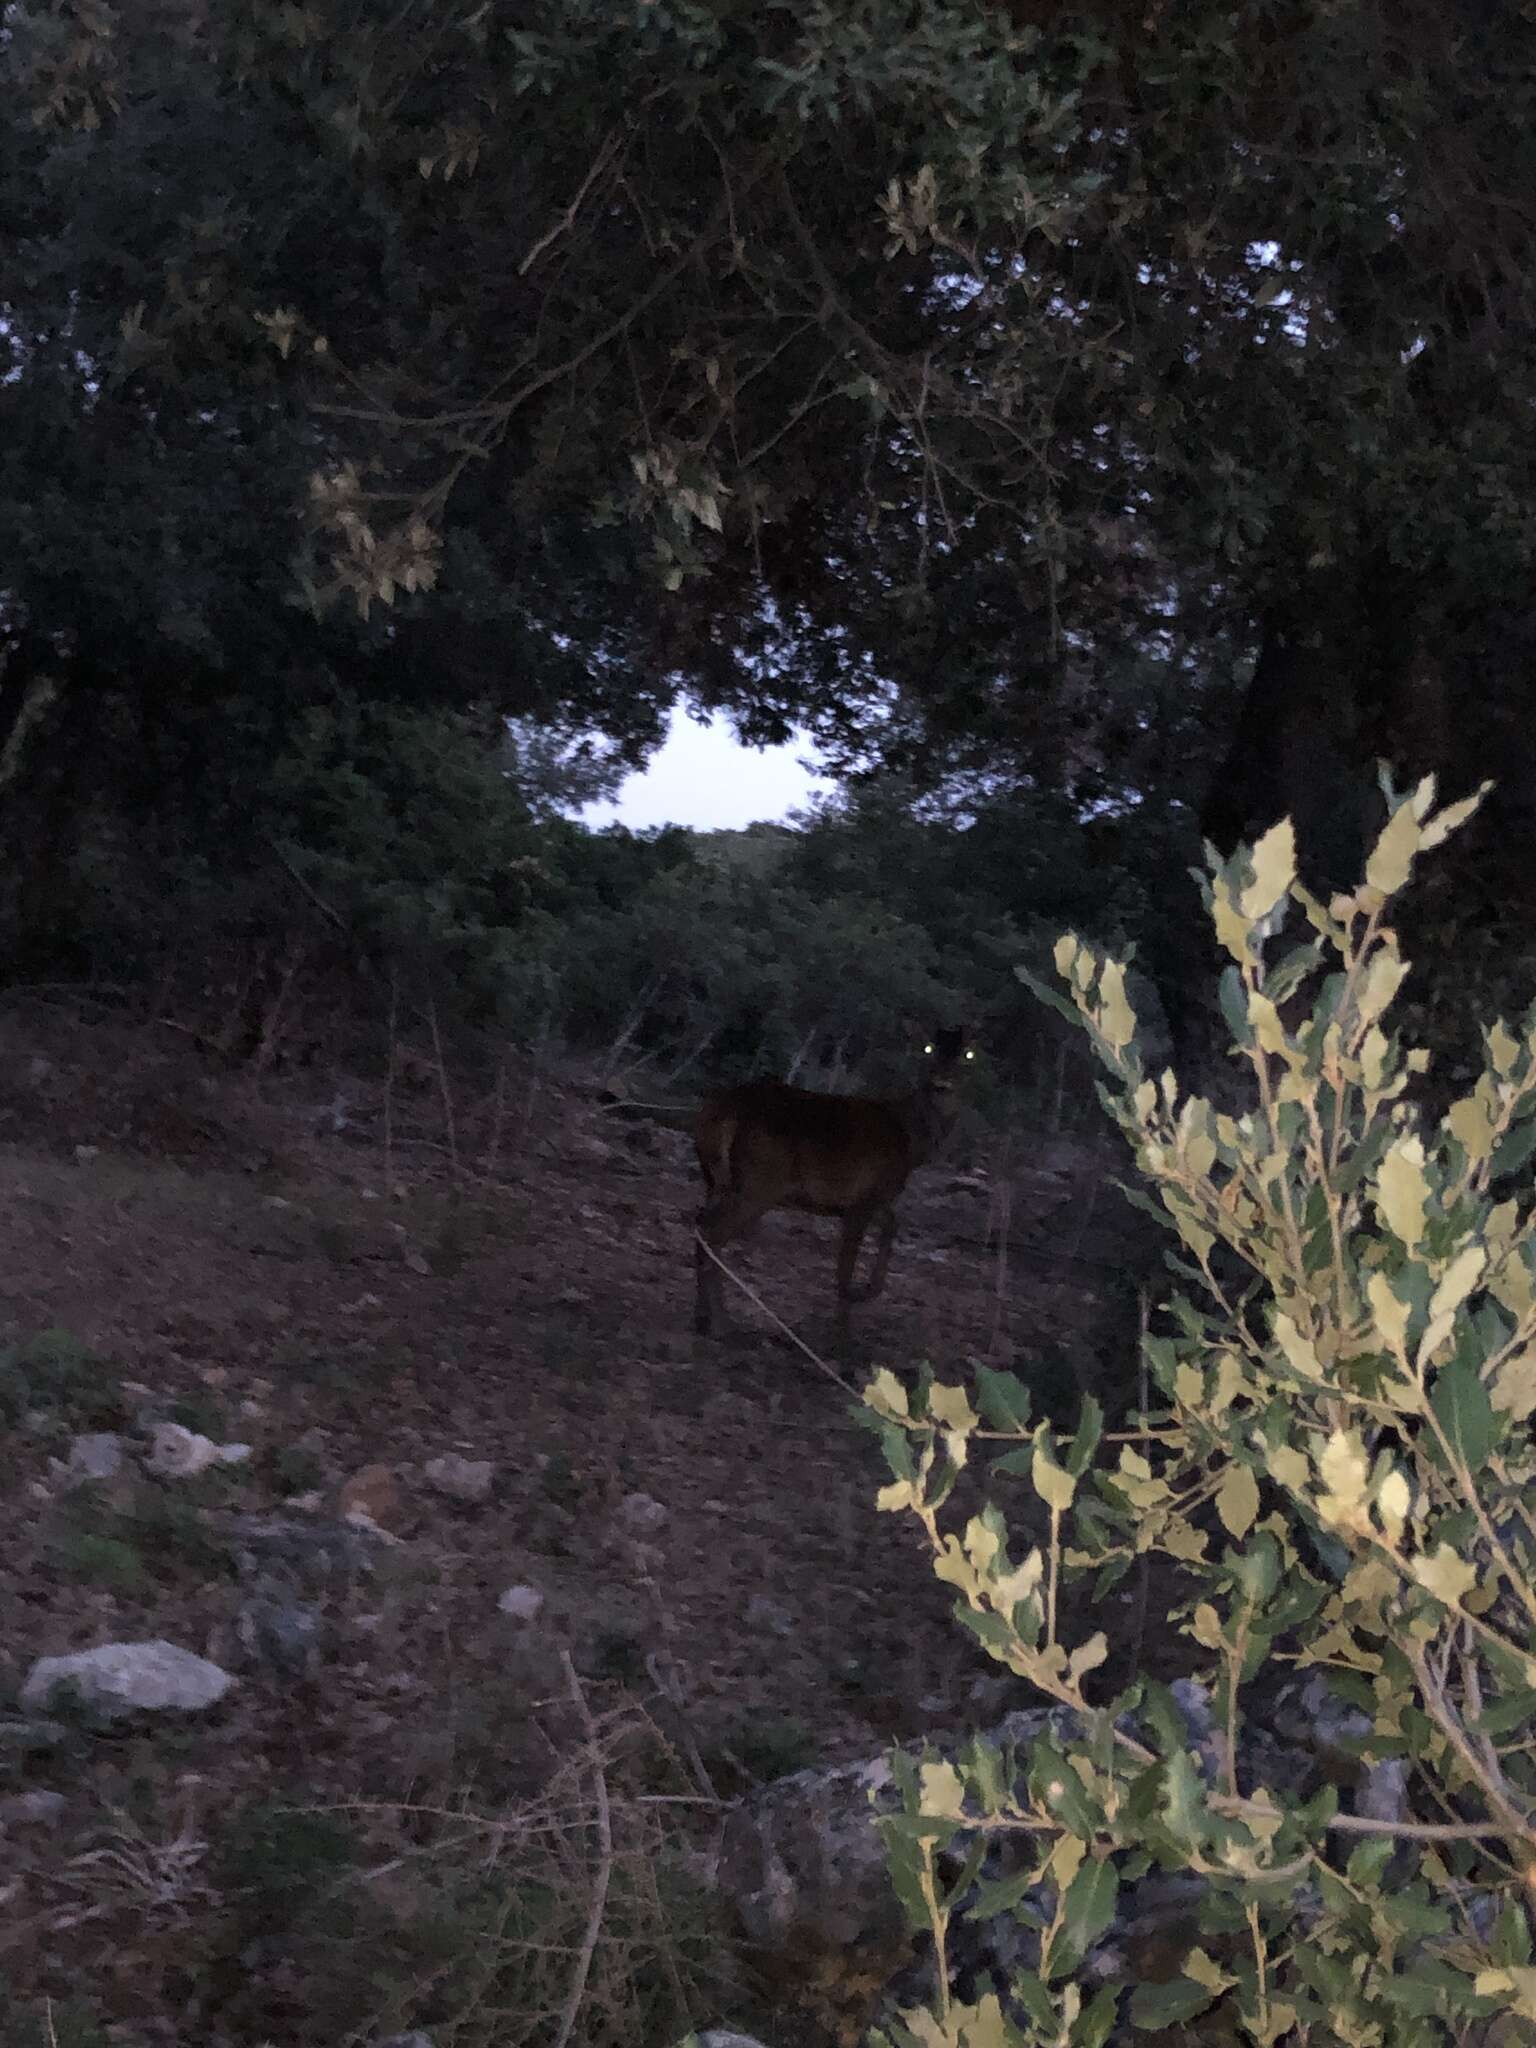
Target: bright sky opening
703,776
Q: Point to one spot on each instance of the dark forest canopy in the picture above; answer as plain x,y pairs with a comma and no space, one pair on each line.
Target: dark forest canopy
994,390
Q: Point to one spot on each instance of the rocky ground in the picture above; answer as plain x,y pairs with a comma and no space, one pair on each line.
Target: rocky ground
488,1528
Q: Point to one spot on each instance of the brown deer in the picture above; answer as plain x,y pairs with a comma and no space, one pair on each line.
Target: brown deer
767,1146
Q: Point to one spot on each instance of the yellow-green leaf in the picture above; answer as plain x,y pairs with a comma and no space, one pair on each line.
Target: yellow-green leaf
1232,928
1053,1483
1391,860
1472,1125
1458,1281
1200,1153
1452,818
1449,1577
954,1568
1514,1386
1300,1353
1289,1466
1265,1019
1390,1313
1274,870
951,1407
1392,1503
886,1394
1402,1192
1206,1626
1237,1501
943,1795
1189,1386
1065,955
982,1543
1088,1656
1342,1467
1116,1019
1199,1965
1382,980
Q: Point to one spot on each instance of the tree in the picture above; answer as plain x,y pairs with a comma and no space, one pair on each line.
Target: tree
992,386
951,344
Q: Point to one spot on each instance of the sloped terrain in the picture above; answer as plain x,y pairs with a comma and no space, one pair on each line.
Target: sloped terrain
356,1282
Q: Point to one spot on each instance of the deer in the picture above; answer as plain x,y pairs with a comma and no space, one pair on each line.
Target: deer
766,1145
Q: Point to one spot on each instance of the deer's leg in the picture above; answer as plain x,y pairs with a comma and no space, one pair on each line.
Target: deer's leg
855,1223
724,1216
882,1254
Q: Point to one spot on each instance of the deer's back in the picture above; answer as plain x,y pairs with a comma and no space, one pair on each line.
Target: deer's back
799,1149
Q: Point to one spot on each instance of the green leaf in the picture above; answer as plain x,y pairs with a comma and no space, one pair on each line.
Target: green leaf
1168,2005
1511,1715
1183,1805
1061,1791
1000,1895
1052,998
1004,1399
1037,2002
1088,1906
1095,2023
905,1862
1090,1429
1414,1913
1465,1413
1234,1006
1515,1150
1369,1860
1511,1942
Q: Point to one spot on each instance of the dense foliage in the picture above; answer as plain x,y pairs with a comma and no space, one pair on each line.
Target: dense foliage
1340,1459
1043,401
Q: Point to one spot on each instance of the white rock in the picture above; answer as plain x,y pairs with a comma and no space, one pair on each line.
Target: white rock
128,1678
99,1456
178,1453
639,1512
521,1602
460,1478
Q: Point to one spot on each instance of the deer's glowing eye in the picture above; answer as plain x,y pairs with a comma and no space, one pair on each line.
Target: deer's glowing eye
970,1055
927,1048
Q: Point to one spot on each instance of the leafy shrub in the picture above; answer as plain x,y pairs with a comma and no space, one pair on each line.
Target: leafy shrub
1342,1464
56,1378
152,1536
